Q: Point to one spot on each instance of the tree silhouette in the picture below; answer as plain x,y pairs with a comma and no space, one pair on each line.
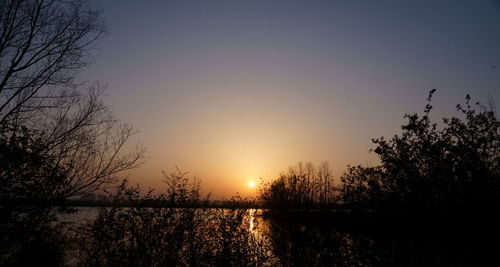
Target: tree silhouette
57,138
302,186
426,165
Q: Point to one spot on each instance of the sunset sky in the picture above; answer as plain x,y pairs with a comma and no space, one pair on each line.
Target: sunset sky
232,91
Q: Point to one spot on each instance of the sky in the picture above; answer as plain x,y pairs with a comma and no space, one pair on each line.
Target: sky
231,91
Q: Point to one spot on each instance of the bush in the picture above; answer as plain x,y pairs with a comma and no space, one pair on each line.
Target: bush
457,165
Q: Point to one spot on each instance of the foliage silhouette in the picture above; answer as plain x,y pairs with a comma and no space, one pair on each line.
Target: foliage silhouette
457,166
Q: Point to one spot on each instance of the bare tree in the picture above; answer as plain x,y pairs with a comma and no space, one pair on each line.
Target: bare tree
42,45
57,137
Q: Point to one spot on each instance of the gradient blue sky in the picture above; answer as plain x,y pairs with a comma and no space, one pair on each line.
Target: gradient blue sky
236,90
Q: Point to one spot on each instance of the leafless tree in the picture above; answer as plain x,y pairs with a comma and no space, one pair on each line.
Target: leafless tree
57,137
42,45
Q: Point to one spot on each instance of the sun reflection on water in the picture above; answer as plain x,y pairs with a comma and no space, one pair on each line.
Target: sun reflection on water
251,214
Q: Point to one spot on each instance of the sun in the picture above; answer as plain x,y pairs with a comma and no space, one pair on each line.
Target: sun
251,184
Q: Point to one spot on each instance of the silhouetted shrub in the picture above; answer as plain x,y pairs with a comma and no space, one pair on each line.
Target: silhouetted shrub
457,164
29,237
362,185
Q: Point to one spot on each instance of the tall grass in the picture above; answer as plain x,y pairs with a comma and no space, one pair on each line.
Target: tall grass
160,236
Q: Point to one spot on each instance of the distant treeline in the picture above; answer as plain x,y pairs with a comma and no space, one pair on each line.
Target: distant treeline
303,186
159,202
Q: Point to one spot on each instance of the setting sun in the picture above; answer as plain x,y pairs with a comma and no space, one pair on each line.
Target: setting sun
251,184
